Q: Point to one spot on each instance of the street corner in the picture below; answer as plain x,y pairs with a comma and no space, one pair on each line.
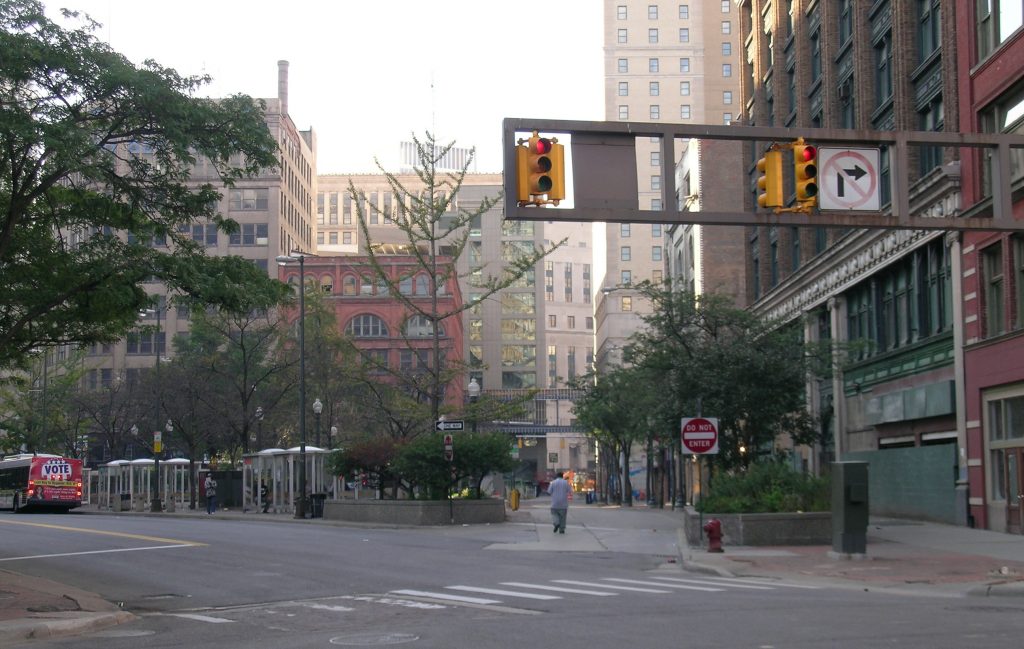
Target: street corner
61,624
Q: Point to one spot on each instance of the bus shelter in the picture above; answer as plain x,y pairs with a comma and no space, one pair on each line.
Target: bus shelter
278,469
175,483
141,484
115,486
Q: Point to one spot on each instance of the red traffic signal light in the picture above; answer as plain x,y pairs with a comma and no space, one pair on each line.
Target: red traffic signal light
805,172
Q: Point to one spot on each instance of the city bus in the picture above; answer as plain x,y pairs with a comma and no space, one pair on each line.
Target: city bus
40,482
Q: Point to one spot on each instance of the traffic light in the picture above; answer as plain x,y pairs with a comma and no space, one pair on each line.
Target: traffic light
805,172
540,170
769,183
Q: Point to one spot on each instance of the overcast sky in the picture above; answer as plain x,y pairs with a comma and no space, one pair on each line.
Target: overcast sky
366,74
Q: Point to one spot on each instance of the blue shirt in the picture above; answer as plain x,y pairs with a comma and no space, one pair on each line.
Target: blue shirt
559,490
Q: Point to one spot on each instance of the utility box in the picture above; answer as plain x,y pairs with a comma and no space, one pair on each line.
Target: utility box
850,507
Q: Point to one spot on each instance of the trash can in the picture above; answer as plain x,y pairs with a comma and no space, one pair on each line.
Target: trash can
316,505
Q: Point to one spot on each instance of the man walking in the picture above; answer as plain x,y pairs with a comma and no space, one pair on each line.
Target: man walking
559,490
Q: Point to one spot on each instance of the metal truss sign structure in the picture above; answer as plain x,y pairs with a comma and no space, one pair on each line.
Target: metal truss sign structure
604,175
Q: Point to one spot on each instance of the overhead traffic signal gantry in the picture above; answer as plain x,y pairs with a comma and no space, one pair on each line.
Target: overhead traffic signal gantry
805,173
769,183
540,171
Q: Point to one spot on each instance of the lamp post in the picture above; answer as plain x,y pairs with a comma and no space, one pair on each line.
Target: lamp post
155,504
334,435
474,393
318,407
300,503
259,427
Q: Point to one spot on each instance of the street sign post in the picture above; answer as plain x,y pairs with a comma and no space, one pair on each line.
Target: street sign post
157,441
449,447
449,425
700,435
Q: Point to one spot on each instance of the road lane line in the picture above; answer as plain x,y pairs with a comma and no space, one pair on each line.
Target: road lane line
665,585
765,582
123,535
559,589
84,552
616,587
496,591
444,596
201,618
730,584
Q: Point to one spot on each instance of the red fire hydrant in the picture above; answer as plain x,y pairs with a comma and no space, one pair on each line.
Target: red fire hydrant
713,528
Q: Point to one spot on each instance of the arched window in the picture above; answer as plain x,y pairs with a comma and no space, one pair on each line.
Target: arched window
382,287
366,286
422,285
327,283
405,286
348,285
367,325
419,326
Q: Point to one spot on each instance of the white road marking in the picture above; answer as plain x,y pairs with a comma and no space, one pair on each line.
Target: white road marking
766,582
596,585
394,601
85,552
328,607
665,585
559,589
200,618
496,591
445,596
730,584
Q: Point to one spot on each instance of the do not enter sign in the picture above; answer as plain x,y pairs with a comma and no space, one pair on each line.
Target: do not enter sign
700,435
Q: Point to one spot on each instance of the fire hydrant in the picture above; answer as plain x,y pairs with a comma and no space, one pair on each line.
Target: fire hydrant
713,528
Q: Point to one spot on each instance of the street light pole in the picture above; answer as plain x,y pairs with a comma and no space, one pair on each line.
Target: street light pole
259,427
474,393
318,407
300,503
155,505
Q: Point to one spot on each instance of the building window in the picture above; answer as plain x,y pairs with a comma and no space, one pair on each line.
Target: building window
684,34
932,119
652,35
652,12
624,229
571,321
248,199
726,26
845,21
996,21
992,278
815,56
626,303
654,88
655,158
684,12
622,36
684,88
319,238
726,6
726,118
652,65
346,237
655,253
625,253
552,320
625,277
623,112
620,12
727,97
623,66
623,88
929,37
656,204
655,183
883,70
1018,275
684,111
727,69
726,49
333,237
250,234
655,111
684,65
367,325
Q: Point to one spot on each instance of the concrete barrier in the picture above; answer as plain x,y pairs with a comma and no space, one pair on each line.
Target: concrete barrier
787,528
416,512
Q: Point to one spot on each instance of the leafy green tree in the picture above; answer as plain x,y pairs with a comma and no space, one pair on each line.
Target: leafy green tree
35,415
714,359
95,160
422,461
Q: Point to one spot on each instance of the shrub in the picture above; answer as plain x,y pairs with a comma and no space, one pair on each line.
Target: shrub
767,487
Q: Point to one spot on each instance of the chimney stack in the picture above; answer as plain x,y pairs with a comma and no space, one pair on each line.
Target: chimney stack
282,85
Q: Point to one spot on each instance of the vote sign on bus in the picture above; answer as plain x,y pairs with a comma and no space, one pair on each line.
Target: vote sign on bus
700,435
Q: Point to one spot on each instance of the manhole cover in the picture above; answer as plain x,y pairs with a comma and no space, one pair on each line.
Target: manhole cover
373,639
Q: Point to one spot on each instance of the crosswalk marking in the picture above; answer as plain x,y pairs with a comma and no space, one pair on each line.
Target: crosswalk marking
447,596
201,618
706,589
713,583
595,585
559,589
766,582
495,591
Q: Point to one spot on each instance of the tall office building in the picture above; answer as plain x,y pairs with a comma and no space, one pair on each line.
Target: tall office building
893,294
673,62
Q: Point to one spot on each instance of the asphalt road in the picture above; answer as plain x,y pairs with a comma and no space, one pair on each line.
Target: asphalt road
196,582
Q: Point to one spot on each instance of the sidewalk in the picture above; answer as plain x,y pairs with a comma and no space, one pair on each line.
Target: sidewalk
902,556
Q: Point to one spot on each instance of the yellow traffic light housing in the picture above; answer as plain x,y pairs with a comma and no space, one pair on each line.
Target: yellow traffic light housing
805,173
769,183
540,171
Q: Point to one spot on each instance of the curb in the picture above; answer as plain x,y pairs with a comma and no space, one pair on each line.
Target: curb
999,589
66,625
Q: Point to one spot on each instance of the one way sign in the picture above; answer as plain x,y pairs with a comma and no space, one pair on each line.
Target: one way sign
450,425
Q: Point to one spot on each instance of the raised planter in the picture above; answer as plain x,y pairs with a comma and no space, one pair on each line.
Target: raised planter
416,512
789,528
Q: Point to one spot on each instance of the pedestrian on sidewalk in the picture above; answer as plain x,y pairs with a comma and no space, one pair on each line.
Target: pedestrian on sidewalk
559,490
265,497
210,487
